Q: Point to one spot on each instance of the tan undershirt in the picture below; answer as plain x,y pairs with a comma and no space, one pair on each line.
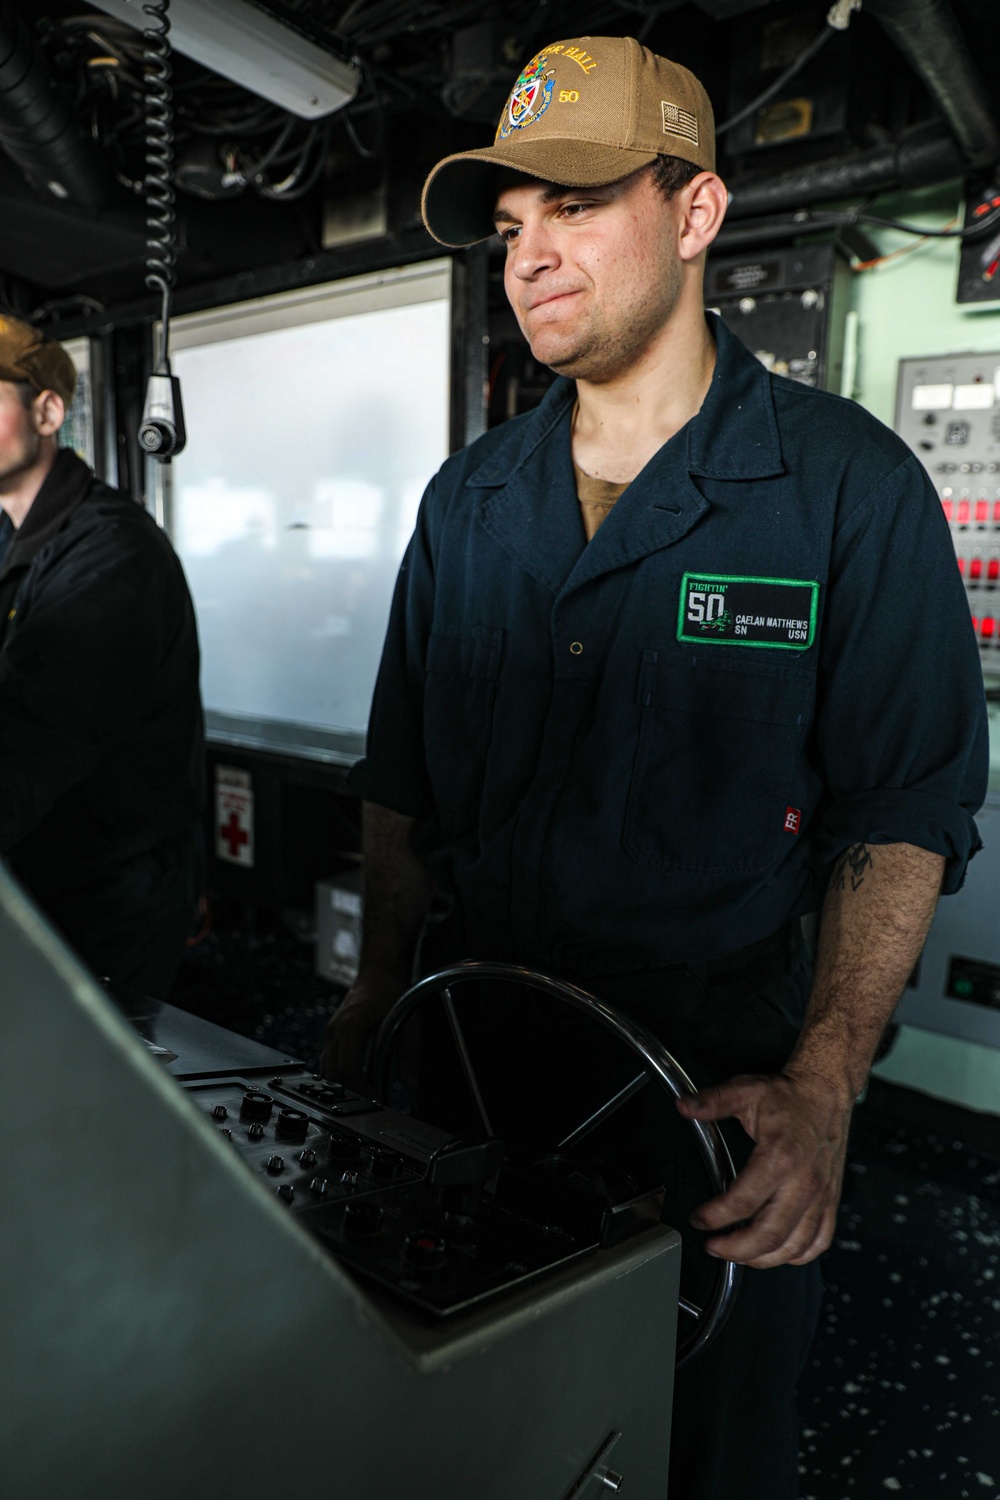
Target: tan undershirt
596,497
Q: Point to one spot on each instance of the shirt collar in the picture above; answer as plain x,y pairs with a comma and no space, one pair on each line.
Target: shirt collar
734,436
518,441
7,535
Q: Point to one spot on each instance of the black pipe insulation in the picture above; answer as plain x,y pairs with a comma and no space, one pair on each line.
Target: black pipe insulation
927,34
922,156
37,128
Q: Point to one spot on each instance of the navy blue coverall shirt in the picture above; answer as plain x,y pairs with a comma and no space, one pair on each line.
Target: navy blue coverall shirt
646,749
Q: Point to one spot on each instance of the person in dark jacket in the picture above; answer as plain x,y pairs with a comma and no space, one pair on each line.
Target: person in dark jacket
100,716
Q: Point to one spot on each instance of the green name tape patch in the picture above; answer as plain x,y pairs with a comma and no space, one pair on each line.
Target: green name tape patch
779,613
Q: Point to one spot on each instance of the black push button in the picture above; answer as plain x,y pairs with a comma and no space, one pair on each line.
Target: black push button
343,1148
383,1164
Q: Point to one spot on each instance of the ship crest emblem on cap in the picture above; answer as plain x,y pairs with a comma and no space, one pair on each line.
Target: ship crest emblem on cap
529,98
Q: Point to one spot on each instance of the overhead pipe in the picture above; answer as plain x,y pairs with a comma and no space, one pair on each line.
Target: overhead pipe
37,128
922,156
927,34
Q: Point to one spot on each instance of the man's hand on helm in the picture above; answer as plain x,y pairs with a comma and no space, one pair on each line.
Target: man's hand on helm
353,1026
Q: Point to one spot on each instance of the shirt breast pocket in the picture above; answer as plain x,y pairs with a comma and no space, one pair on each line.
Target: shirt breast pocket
459,697
716,763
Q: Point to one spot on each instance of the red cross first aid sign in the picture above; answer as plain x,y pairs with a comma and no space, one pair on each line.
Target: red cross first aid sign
233,816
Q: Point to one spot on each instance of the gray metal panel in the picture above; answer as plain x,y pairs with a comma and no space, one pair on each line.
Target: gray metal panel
169,1330
243,42
202,1047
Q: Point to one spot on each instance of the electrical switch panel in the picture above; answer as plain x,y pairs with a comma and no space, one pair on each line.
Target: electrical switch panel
948,411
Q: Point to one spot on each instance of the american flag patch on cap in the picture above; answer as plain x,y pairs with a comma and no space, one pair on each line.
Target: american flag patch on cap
677,121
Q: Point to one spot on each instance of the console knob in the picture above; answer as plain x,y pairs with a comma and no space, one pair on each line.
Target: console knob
275,1164
318,1187
306,1158
343,1148
349,1181
255,1132
285,1192
364,1217
220,1112
256,1106
292,1125
424,1249
227,1133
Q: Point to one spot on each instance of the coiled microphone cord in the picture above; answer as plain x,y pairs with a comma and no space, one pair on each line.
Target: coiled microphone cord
158,182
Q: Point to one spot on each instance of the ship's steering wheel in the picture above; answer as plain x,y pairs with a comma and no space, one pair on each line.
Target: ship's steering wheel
657,1066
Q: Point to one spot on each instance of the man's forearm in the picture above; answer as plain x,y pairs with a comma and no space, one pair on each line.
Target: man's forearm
398,890
875,917
782,1207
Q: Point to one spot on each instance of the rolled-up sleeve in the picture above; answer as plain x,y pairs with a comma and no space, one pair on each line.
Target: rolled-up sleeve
902,734
393,772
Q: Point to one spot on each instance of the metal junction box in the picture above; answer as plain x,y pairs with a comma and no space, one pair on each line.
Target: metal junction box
789,306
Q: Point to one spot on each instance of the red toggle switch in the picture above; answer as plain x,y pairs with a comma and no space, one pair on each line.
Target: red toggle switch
963,512
976,568
947,506
982,511
993,569
987,628
975,623
996,512
961,566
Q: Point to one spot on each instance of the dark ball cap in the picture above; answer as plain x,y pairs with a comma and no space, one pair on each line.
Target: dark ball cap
26,354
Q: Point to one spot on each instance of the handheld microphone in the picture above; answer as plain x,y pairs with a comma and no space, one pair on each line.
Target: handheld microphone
161,432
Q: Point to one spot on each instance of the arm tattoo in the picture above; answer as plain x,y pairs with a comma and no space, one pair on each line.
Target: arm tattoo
852,866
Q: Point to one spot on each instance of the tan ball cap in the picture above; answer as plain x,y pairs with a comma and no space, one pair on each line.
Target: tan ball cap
584,112
26,354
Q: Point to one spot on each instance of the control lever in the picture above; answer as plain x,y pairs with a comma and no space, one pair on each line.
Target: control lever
459,1169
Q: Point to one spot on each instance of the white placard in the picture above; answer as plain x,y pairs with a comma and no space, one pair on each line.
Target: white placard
931,397
346,901
978,397
233,816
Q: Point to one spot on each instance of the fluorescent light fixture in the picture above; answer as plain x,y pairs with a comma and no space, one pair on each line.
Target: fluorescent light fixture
242,43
